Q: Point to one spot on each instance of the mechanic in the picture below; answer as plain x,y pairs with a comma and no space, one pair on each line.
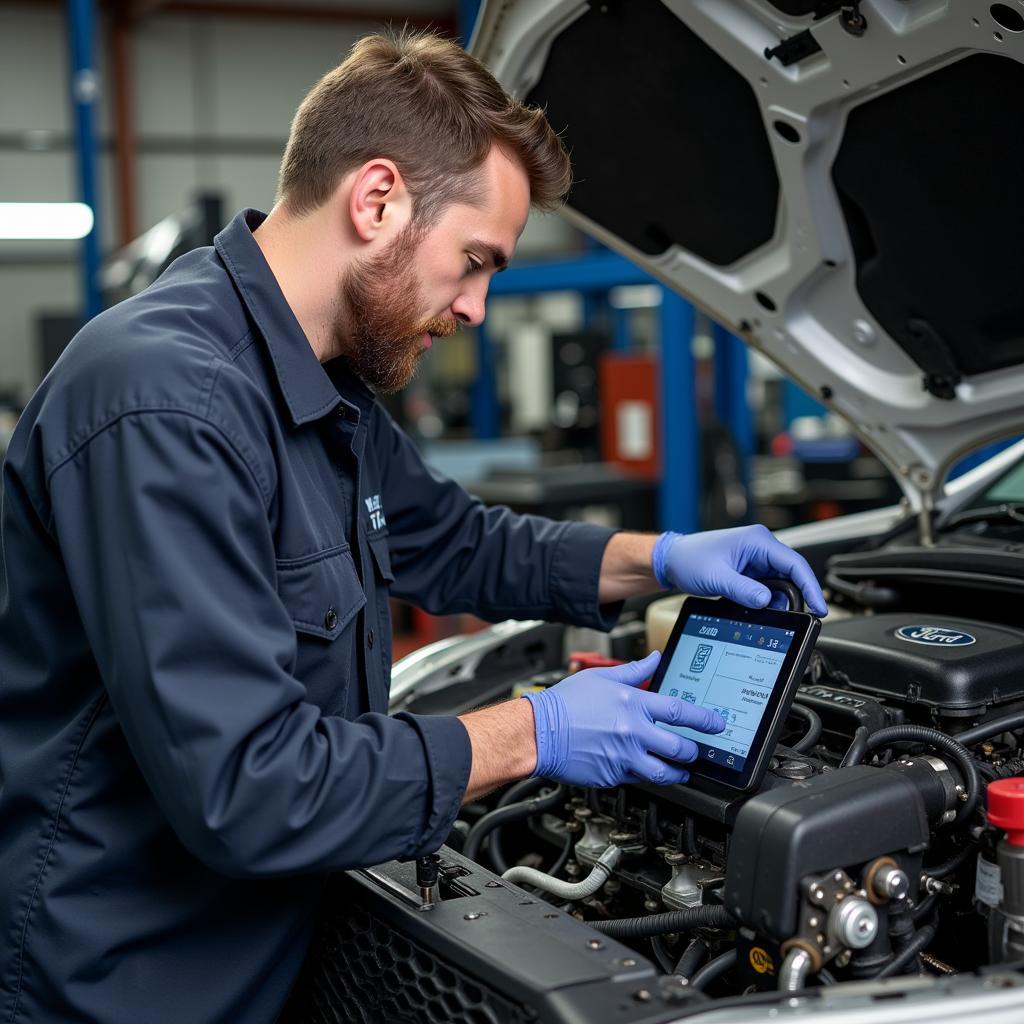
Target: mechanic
204,512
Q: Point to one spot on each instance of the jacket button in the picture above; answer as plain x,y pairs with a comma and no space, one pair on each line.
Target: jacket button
369,638
330,619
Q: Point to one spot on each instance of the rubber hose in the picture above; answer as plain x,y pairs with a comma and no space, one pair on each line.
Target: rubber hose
813,734
858,747
503,815
923,910
693,956
661,954
987,730
520,791
954,863
661,924
947,745
909,952
722,963
600,874
563,857
515,793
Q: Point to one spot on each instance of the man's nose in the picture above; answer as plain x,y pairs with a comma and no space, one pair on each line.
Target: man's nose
468,308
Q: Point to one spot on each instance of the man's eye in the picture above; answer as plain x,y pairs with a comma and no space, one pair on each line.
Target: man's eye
472,265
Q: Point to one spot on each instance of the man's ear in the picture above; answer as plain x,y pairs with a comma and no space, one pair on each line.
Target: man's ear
379,203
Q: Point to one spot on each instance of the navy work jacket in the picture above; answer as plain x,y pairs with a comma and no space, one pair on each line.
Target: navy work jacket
200,528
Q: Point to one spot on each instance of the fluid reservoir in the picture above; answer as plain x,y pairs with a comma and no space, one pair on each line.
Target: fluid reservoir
1006,923
661,617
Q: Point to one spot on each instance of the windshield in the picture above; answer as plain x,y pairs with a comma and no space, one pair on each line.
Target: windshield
1009,487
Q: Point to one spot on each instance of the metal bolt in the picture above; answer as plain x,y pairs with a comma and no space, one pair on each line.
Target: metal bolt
595,944
854,923
818,893
642,996
493,884
890,883
813,922
474,915
628,961
933,885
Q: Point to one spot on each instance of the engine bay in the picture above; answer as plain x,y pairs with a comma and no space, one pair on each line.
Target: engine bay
865,854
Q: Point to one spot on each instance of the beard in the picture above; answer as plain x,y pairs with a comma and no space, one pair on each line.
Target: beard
379,326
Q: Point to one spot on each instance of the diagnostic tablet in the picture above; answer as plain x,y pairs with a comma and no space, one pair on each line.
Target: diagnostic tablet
745,664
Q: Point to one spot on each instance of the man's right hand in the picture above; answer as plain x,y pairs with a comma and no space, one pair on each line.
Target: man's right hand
595,728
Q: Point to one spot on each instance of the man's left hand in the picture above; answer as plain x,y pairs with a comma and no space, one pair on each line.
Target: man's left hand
729,563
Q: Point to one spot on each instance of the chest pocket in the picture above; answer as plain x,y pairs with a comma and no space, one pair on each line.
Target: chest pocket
322,592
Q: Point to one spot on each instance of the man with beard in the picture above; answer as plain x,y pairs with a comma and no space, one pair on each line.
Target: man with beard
204,512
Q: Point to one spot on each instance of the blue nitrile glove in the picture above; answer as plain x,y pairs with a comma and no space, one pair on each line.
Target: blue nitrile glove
597,729
728,563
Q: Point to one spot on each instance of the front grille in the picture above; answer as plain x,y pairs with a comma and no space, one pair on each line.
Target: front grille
361,971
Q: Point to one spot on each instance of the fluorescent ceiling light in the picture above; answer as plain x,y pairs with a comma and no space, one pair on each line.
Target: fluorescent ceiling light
635,296
45,220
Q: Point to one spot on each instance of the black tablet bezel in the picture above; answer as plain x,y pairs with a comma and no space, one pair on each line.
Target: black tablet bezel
805,628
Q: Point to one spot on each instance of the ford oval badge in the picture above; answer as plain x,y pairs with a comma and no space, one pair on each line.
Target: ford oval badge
935,636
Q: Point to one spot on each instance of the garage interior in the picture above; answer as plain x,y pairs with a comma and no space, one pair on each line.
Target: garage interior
603,388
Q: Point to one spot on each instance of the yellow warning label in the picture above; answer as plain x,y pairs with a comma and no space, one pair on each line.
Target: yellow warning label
761,961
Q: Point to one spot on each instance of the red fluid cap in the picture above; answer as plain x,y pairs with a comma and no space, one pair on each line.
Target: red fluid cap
1006,808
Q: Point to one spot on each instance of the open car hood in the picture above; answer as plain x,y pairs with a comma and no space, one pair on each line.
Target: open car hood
851,205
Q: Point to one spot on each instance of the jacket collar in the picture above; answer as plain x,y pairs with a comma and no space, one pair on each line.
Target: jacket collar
308,390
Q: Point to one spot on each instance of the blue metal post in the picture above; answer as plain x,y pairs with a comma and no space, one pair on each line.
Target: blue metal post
466,13
622,335
484,411
591,273
796,403
680,441
81,31
731,405
484,416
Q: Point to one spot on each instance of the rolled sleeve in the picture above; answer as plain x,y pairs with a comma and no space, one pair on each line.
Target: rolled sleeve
576,576
448,757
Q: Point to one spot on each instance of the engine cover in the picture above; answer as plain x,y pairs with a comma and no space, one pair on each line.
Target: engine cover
949,664
841,819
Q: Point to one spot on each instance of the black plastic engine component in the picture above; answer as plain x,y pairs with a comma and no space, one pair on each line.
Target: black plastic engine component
494,956
841,819
721,804
842,711
952,665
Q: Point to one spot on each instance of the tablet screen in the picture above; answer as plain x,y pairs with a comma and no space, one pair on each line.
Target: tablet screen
731,667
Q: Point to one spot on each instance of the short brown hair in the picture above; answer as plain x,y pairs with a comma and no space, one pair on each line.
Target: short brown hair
423,102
